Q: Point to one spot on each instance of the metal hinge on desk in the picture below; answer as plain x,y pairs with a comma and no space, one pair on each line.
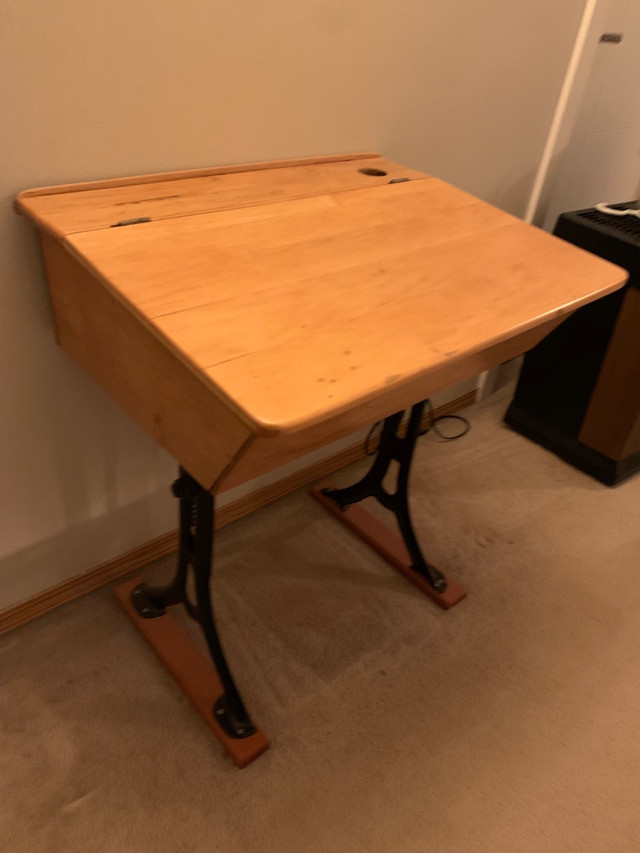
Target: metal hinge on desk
131,221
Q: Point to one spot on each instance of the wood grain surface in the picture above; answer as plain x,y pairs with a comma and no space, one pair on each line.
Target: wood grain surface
66,210
303,309
272,308
169,400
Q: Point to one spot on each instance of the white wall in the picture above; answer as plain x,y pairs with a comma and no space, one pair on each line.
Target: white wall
463,89
599,157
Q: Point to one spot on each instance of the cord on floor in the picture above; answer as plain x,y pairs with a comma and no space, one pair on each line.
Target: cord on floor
432,425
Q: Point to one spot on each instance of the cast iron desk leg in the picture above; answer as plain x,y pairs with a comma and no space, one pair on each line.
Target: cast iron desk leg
393,447
211,688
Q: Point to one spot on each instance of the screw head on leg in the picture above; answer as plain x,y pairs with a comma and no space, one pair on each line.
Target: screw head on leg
235,728
145,604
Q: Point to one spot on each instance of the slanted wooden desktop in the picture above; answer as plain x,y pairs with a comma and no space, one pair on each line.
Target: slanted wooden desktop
247,315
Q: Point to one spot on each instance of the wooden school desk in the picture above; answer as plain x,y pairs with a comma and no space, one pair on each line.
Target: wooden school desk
247,315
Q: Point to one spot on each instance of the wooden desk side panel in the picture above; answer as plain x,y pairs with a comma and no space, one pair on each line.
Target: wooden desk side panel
612,421
144,376
265,454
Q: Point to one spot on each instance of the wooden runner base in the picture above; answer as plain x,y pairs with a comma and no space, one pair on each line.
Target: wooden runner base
388,544
193,671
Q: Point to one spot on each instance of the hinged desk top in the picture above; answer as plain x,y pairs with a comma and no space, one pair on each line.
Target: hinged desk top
300,291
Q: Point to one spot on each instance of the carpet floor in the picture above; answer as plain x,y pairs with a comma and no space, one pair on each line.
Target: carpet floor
509,723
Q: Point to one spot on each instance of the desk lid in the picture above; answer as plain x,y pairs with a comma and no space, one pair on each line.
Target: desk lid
302,291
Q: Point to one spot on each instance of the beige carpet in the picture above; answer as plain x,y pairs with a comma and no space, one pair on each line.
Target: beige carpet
510,723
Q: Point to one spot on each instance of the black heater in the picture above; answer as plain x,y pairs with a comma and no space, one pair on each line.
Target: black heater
579,390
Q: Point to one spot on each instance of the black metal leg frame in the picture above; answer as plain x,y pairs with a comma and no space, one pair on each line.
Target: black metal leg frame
394,447
197,507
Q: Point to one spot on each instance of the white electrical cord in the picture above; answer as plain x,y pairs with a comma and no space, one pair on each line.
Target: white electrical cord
612,211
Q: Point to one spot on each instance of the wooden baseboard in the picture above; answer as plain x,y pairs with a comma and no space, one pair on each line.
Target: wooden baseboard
135,559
